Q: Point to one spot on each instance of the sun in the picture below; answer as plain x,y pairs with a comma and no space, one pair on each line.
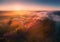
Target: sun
17,8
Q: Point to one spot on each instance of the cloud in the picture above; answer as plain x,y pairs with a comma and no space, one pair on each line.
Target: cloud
54,16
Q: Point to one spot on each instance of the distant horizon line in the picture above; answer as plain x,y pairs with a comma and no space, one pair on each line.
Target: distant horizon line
29,10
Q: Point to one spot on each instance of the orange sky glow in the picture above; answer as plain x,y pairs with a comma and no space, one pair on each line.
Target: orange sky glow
20,6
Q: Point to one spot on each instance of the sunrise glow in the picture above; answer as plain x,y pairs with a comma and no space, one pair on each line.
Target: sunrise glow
22,6
17,7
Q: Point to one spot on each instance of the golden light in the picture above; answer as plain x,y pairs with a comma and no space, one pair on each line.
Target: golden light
17,7
21,12
21,6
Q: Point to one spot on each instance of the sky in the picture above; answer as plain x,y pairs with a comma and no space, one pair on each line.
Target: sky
29,4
